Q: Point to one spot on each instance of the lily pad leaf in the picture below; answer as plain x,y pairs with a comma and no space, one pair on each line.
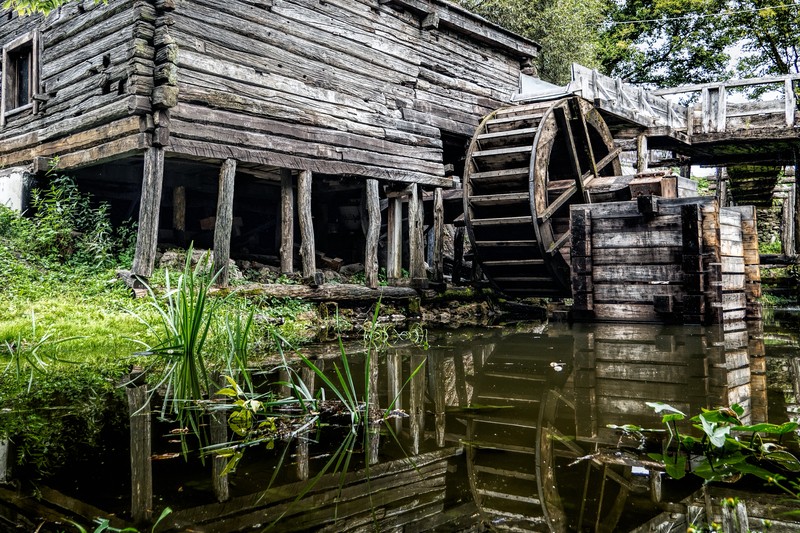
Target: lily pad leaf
660,407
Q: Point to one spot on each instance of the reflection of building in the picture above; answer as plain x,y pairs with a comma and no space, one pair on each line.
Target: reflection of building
504,432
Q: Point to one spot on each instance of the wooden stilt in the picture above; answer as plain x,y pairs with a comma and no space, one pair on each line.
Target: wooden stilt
287,222
373,234
374,427
394,240
219,435
796,201
141,467
308,376
6,461
307,252
394,374
787,223
438,235
417,404
224,222
641,153
147,237
416,243
437,377
179,214
458,255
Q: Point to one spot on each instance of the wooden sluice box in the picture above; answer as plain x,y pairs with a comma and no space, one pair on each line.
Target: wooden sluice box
665,260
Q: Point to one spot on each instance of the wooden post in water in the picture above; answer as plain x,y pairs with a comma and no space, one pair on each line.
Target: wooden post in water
141,467
224,222
287,222
179,214
307,252
373,234
147,235
6,461
394,239
303,468
437,376
416,409
219,435
438,234
394,374
416,242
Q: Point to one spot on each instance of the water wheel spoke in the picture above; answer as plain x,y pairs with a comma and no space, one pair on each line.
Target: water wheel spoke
558,243
556,204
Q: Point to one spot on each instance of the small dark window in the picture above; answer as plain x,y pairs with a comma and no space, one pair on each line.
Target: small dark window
20,75
21,64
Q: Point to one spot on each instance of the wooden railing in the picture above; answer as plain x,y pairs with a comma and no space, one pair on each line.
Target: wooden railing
715,111
712,114
631,102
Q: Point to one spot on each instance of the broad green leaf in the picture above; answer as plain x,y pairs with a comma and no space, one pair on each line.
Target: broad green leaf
785,459
241,422
716,434
672,417
773,429
227,392
676,467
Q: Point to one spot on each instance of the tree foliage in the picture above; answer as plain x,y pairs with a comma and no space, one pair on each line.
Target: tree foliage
33,7
566,29
672,42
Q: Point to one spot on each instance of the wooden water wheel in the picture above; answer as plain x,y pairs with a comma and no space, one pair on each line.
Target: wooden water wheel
525,166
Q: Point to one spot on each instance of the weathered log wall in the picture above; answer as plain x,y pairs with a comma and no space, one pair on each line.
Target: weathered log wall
664,260
95,71
340,87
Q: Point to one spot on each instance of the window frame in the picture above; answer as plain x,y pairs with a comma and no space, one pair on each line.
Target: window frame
8,72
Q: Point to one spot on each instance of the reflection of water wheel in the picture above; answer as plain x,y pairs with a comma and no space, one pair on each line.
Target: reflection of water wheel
588,496
525,166
501,436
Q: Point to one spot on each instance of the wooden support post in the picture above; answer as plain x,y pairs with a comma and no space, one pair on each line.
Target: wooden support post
373,427
417,404
179,214
438,234
219,435
699,233
394,374
307,249
416,242
224,222
437,382
287,222
787,224
705,111
6,461
722,108
394,239
303,468
141,467
458,254
790,99
373,234
642,155
147,236
581,258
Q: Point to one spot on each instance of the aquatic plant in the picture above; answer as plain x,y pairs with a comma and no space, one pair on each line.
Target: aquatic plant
186,315
104,525
727,448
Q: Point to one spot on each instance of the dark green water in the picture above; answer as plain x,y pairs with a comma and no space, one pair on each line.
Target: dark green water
503,429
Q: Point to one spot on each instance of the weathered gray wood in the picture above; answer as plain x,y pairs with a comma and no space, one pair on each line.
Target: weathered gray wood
287,222
219,435
224,222
140,442
787,223
307,248
458,254
179,211
394,238
438,235
416,406
394,381
642,155
416,243
6,461
329,292
149,208
373,234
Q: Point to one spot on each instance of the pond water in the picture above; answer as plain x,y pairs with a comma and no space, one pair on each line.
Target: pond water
503,428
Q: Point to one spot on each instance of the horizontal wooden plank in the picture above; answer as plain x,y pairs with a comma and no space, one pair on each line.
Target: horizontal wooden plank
633,292
637,273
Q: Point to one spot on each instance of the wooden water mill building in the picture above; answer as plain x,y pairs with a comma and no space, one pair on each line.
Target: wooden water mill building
267,128
259,126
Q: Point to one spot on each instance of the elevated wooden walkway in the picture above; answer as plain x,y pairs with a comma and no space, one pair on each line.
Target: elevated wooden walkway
715,130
